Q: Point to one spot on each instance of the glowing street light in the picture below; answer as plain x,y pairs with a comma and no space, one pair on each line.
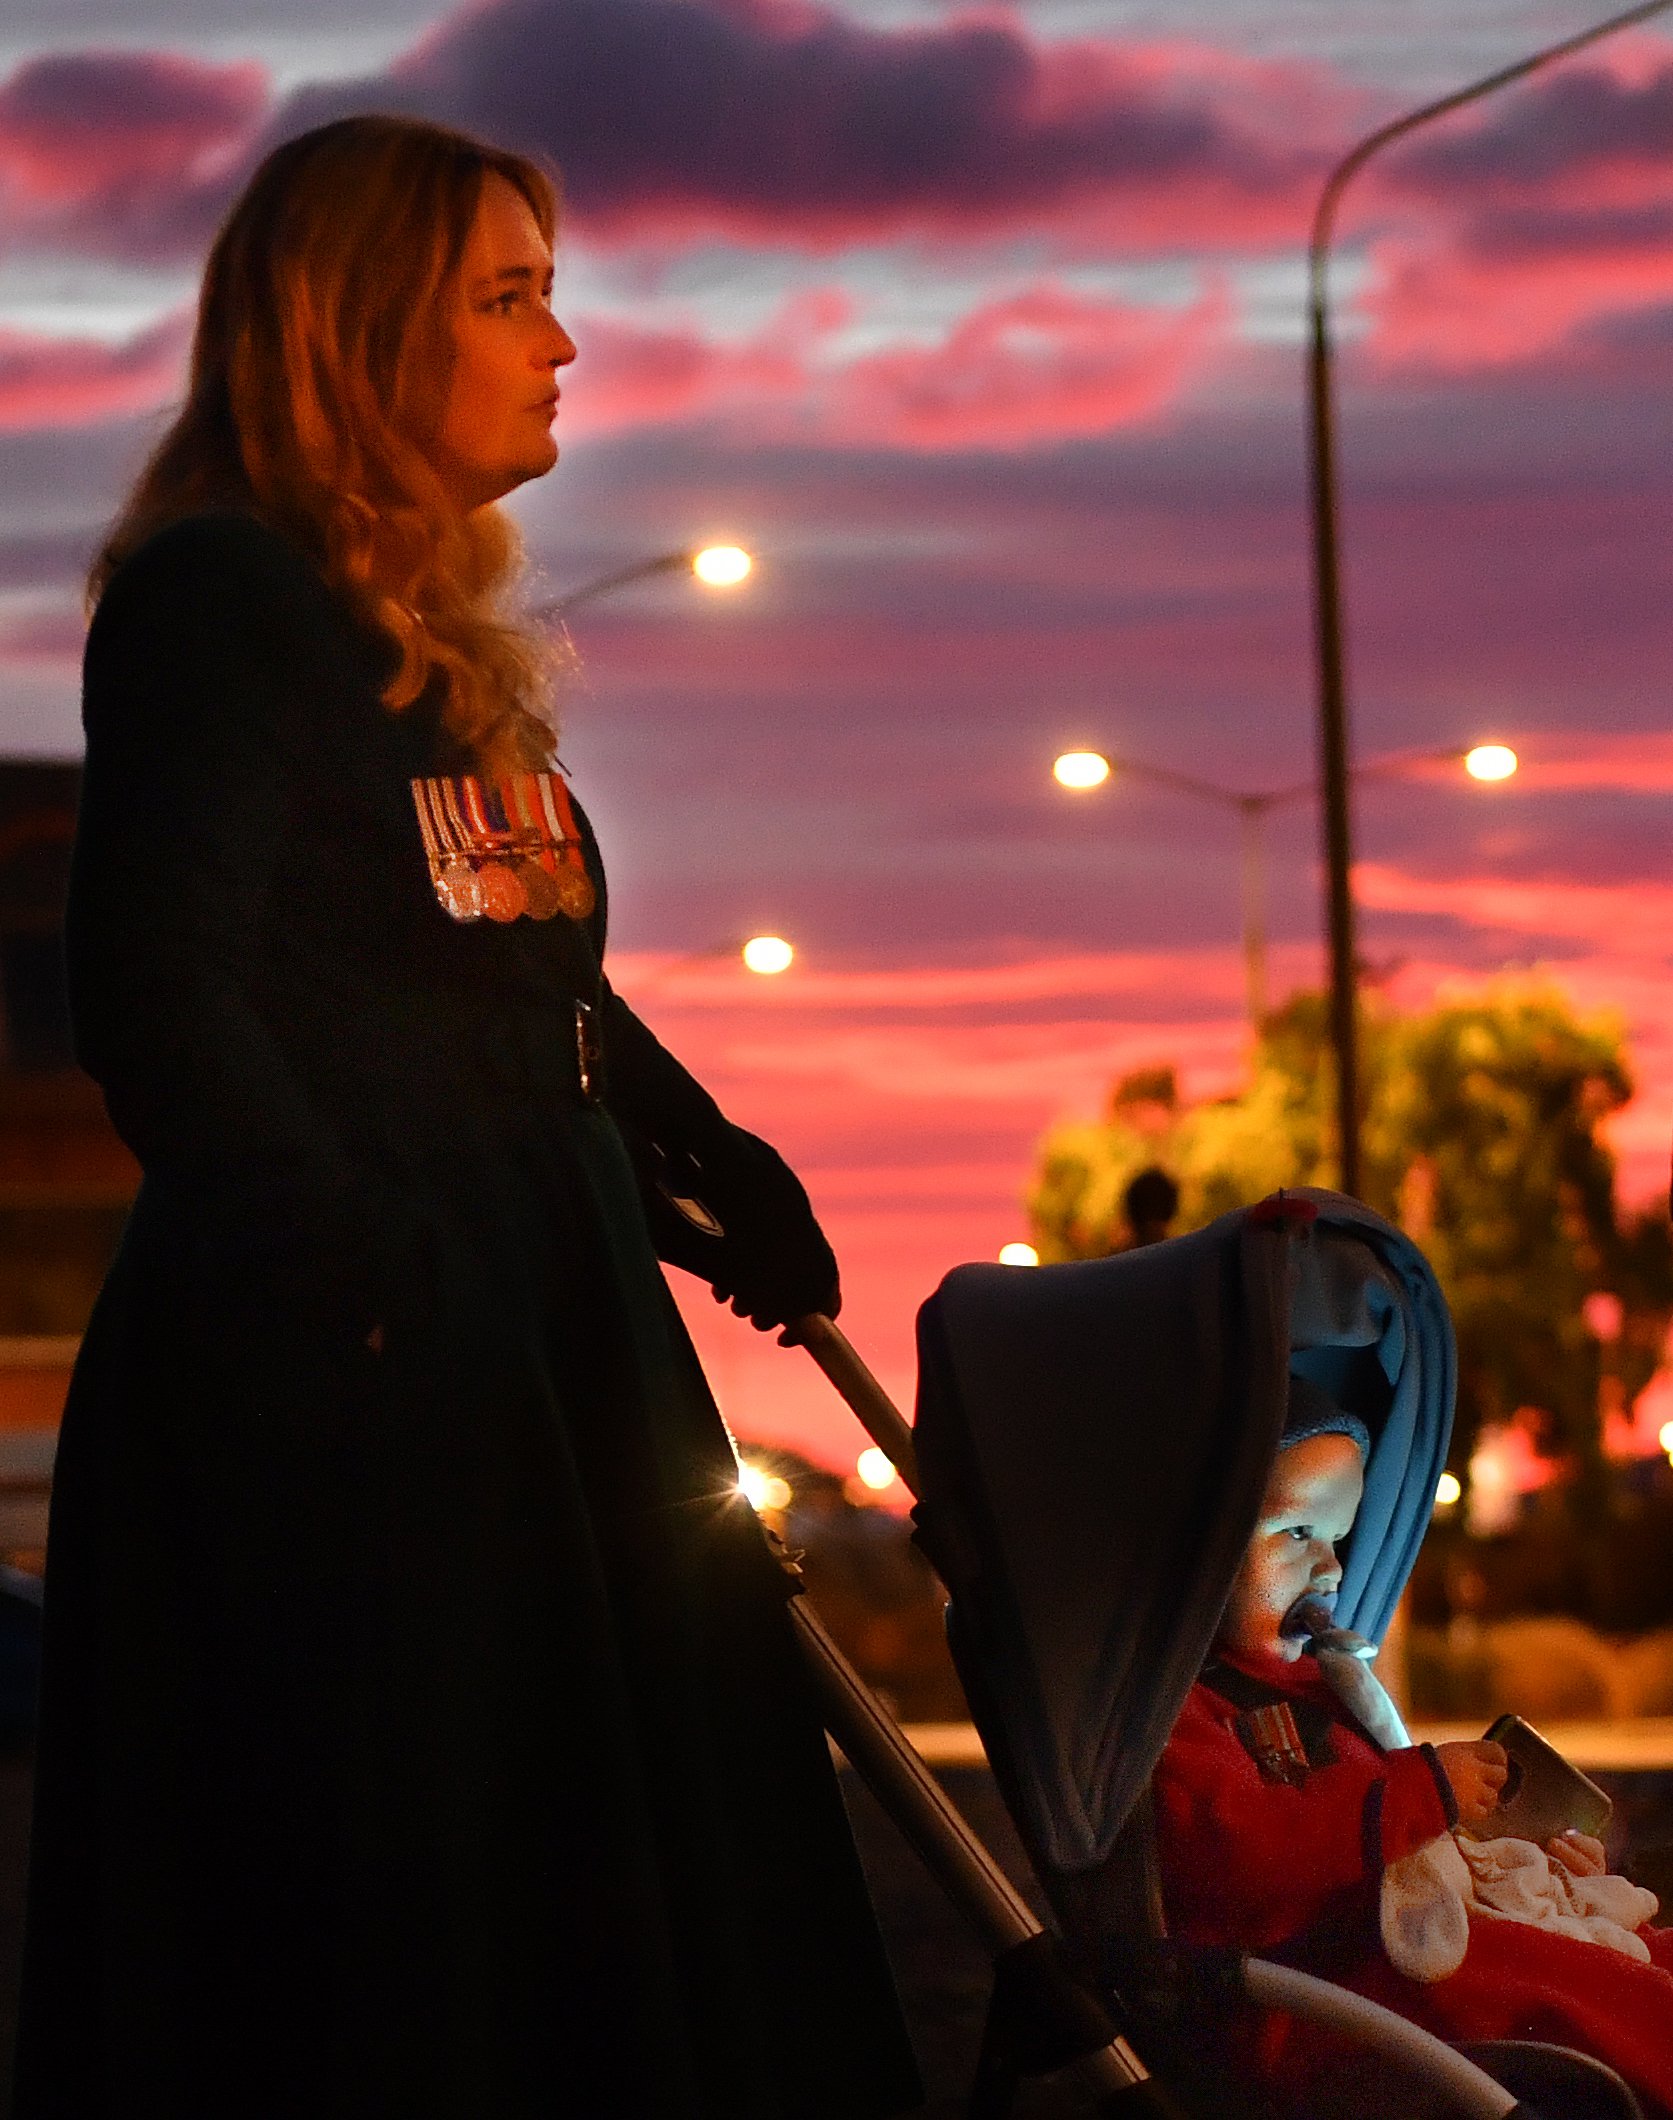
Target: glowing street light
721,566
1449,1491
1082,770
768,955
764,955
715,566
1490,761
1018,1255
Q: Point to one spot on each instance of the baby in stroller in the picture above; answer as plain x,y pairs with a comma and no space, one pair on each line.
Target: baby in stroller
1283,1828
1099,1446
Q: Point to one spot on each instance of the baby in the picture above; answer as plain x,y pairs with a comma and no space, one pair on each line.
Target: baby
1284,1828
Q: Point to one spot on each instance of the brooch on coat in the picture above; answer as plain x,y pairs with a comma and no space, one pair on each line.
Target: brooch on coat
1273,1740
502,849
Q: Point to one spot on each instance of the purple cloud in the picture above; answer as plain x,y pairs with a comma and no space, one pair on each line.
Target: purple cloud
1582,125
761,119
769,118
123,153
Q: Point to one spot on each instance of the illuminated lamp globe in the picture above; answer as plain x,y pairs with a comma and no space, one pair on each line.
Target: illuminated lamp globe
721,566
1448,1490
1082,769
875,1469
1490,761
768,955
1665,1437
1018,1255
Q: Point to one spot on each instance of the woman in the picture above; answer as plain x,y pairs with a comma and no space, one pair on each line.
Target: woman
422,1733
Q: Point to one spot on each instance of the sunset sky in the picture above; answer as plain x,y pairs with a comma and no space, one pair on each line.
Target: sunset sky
983,328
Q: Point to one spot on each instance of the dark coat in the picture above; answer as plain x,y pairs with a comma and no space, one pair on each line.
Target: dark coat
422,1732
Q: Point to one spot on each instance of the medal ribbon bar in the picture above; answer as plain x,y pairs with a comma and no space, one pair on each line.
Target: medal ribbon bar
505,849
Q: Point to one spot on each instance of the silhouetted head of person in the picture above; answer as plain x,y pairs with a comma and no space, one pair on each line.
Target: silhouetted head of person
1150,1204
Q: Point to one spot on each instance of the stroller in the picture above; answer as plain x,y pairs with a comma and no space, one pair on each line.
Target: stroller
1090,1449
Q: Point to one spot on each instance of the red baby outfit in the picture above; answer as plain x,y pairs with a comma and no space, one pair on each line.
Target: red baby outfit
1283,1855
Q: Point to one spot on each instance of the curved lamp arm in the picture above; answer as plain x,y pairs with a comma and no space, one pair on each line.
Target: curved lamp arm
664,563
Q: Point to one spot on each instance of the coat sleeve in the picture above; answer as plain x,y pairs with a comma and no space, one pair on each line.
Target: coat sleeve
197,713
1252,1863
649,1089
773,1259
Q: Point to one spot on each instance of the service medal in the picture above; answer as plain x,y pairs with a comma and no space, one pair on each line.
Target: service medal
503,896
459,888
575,891
542,889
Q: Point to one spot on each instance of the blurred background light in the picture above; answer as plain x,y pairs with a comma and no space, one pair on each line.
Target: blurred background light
875,1470
1018,1255
763,1489
1082,769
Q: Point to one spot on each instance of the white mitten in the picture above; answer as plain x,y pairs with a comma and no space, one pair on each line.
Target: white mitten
1424,1914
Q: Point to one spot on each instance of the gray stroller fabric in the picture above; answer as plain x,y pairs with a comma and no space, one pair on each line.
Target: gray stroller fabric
1093,1444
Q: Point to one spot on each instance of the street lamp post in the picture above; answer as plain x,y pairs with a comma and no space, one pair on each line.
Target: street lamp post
1327,587
718,566
1090,769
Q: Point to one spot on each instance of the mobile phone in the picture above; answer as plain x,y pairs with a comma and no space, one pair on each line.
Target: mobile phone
1544,1795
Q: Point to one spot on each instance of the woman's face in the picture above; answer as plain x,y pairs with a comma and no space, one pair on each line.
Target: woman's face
496,427
1309,1506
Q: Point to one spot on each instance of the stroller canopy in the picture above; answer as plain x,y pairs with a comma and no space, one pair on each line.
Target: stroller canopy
1093,1444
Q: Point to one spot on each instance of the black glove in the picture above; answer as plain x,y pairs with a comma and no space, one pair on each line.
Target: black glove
776,1264
762,1249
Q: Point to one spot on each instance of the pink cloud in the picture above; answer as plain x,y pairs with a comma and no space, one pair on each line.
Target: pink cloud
633,377
57,382
51,633
1636,918
1036,367
1481,301
1637,763
1549,209
1032,367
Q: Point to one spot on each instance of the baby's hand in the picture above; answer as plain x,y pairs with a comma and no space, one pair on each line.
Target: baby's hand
1579,1853
1476,1773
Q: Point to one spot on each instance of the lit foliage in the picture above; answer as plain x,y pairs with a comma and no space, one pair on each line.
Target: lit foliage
1481,1138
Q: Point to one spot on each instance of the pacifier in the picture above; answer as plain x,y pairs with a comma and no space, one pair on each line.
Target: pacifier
1314,1612
1312,1619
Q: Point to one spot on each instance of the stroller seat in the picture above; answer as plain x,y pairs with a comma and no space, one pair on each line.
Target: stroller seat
1093,1442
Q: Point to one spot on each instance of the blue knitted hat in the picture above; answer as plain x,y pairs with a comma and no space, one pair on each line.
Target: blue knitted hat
1313,1412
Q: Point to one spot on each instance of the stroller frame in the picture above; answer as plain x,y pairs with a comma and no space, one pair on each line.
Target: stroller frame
1047,2017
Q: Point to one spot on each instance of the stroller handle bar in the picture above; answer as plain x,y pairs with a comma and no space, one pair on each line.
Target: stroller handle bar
870,1404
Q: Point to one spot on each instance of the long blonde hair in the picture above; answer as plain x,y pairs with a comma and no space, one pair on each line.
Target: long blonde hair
319,368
